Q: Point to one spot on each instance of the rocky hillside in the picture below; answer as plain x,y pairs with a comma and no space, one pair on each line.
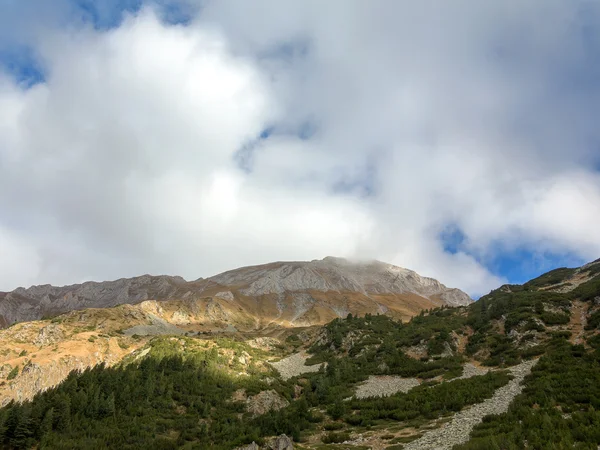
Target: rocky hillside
284,293
519,365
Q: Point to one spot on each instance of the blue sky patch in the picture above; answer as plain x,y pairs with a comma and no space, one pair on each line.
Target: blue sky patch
21,64
452,239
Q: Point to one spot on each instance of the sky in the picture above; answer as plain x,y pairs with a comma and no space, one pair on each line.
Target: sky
186,137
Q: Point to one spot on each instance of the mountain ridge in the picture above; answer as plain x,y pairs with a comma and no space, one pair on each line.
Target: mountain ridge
295,288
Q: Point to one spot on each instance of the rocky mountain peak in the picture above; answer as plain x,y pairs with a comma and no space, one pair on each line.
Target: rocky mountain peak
286,293
338,275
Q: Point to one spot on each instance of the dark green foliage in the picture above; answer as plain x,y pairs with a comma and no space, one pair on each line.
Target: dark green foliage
334,438
429,402
332,426
593,321
162,402
551,318
523,308
13,373
553,277
558,408
587,291
594,269
378,342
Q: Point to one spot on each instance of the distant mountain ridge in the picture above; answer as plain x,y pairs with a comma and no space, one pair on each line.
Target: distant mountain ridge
285,293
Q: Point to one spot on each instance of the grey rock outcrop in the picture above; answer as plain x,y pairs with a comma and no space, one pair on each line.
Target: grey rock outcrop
289,292
38,301
338,274
281,442
264,402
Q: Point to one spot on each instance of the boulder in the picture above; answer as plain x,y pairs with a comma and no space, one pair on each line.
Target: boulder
281,442
264,402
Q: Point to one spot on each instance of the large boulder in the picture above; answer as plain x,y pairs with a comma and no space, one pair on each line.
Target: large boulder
281,442
264,402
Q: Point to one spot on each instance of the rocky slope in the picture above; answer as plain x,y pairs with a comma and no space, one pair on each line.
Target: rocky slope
364,380
283,293
457,431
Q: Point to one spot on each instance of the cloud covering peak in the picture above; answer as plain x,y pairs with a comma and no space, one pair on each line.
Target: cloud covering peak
275,130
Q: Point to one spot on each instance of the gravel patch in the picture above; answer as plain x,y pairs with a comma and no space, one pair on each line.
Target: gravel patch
384,386
294,365
457,431
469,370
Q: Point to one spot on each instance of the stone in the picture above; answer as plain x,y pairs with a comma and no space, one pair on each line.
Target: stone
264,402
457,431
298,391
281,442
294,365
50,334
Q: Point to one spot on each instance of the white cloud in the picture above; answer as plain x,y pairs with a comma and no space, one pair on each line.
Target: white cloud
124,160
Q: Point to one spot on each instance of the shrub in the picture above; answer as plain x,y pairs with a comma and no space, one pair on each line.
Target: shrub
336,438
13,373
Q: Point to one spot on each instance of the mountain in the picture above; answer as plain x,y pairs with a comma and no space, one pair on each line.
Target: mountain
284,293
520,368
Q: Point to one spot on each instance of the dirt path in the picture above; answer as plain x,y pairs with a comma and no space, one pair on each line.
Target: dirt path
578,322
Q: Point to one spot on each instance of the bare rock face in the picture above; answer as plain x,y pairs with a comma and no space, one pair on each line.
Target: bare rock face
264,402
38,301
282,293
281,442
337,274
50,334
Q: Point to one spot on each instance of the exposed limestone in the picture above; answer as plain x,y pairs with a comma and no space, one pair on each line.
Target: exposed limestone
180,318
225,295
285,293
264,402
50,334
156,327
35,302
337,274
294,365
281,442
142,353
263,343
38,377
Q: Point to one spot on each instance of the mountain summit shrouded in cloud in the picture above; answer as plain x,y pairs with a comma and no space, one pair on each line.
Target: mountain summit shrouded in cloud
190,137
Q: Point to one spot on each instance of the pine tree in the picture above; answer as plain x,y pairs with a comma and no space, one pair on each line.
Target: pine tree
63,414
47,421
22,431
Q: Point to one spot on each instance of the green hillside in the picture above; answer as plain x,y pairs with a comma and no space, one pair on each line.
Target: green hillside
181,392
